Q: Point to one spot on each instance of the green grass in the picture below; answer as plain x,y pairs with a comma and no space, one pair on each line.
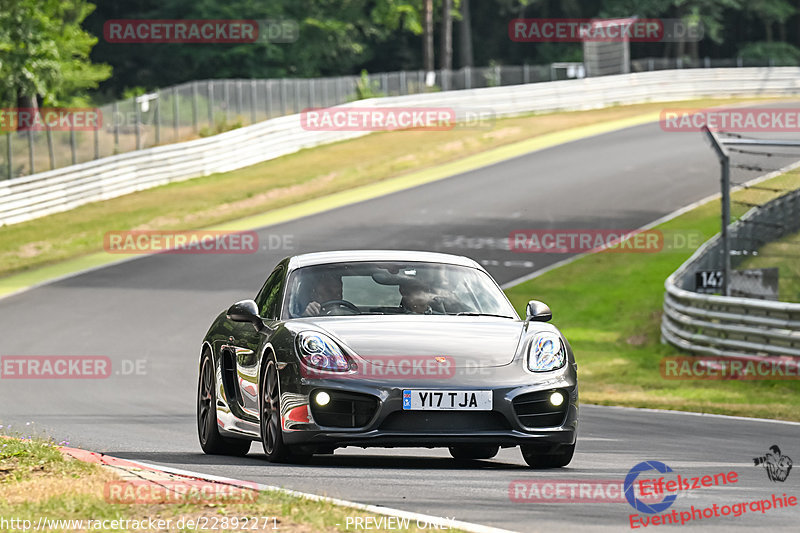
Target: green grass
783,254
285,181
608,306
36,481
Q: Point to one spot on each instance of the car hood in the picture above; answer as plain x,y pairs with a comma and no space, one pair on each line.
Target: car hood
468,341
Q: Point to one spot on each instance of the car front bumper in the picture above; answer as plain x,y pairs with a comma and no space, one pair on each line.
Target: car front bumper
389,425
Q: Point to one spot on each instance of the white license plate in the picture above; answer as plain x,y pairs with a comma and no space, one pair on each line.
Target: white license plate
447,400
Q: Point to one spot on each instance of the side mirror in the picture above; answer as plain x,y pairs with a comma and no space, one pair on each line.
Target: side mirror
244,311
537,311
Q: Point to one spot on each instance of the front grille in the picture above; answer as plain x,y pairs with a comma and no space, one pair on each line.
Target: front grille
534,409
444,421
345,410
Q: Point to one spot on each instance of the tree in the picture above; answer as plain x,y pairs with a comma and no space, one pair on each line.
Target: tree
427,35
446,58
336,37
465,36
772,12
44,53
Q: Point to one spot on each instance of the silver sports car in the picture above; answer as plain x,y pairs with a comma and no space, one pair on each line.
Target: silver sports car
388,349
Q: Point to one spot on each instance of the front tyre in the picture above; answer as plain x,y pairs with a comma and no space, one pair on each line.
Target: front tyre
550,459
211,441
271,431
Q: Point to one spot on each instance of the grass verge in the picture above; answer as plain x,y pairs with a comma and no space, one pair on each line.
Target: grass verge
782,254
288,180
608,306
37,482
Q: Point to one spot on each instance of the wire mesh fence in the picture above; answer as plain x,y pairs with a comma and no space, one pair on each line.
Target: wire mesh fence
765,237
208,107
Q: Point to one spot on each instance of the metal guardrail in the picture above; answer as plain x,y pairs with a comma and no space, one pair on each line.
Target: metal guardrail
33,196
204,107
730,326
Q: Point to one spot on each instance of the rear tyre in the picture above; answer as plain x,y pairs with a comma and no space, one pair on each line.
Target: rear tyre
211,441
535,457
271,427
472,452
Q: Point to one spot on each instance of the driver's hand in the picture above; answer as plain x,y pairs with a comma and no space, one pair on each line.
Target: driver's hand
312,309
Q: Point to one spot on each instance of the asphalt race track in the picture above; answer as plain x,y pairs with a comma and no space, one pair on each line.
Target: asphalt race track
149,315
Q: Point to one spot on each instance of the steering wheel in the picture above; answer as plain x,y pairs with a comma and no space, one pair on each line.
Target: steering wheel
330,305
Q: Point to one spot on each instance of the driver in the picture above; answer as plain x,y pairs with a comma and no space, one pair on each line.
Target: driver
328,287
416,298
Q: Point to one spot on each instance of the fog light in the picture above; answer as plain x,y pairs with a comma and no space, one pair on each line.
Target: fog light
556,398
323,398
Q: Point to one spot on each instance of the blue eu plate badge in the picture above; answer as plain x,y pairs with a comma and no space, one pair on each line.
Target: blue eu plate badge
406,399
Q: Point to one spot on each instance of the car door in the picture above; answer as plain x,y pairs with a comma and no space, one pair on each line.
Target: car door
247,342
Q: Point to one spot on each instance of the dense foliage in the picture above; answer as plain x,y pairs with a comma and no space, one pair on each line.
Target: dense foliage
45,45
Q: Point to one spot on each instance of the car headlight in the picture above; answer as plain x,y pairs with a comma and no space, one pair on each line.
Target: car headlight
546,352
320,351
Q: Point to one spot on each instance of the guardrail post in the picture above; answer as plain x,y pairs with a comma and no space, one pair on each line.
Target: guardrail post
138,115
725,180
115,112
157,116
50,151
210,93
195,118
726,220
175,109
324,87
226,96
73,146
10,158
239,97
385,83
268,97
337,91
253,93
30,152
283,97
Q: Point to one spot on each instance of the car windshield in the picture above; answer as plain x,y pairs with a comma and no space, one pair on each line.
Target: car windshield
384,288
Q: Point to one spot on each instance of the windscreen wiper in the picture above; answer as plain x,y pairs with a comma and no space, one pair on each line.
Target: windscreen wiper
469,313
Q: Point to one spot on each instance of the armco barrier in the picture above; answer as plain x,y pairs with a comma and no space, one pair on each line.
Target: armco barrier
729,326
58,190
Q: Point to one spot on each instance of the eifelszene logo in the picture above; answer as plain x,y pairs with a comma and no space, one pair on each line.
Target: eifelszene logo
637,503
